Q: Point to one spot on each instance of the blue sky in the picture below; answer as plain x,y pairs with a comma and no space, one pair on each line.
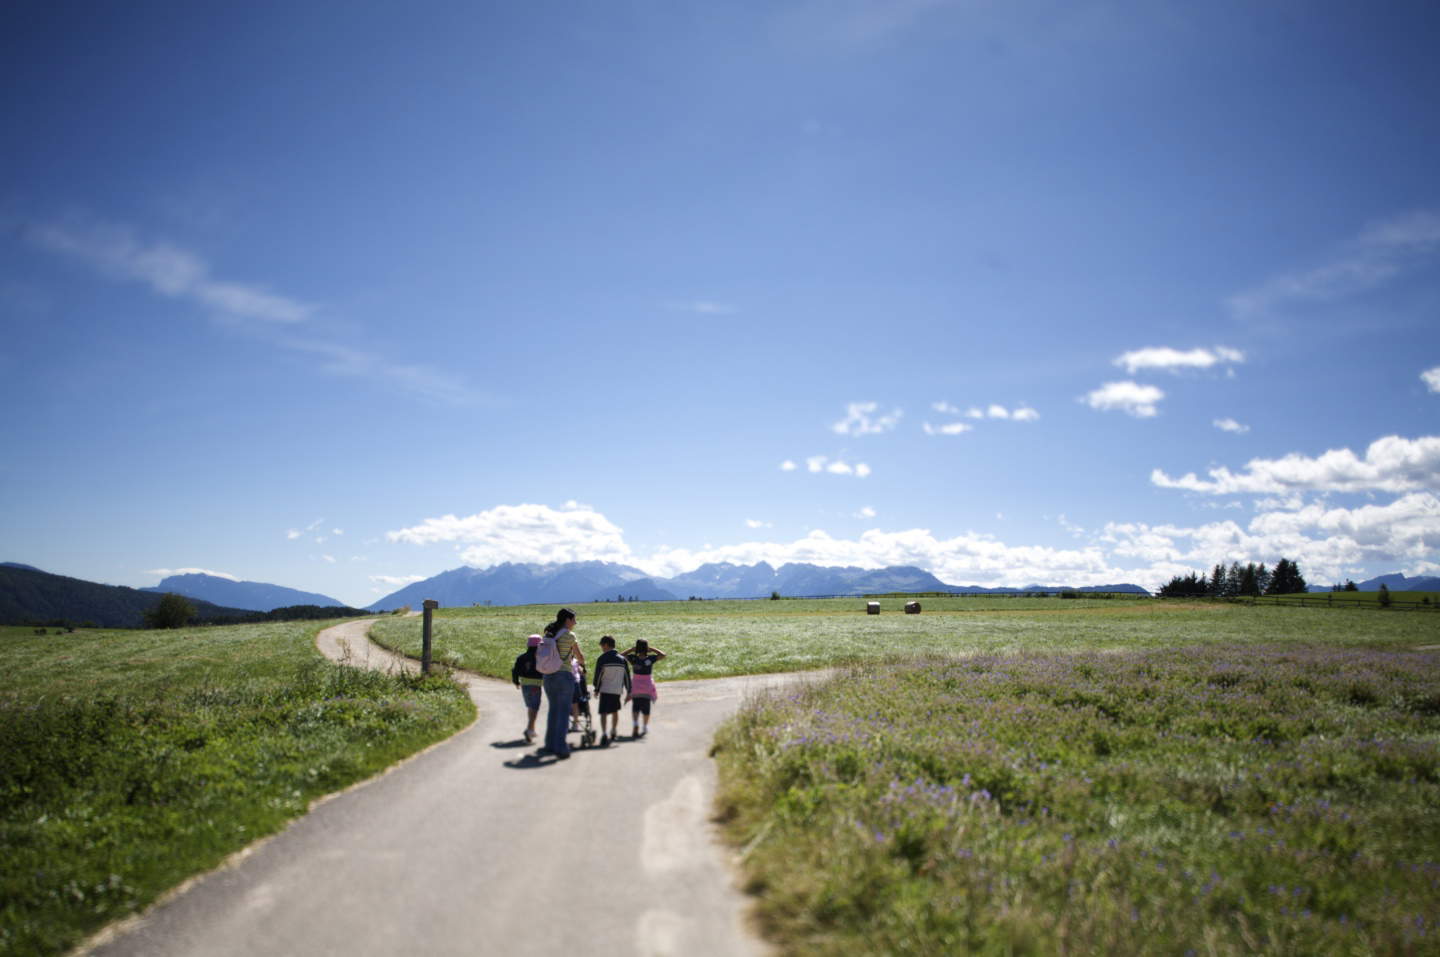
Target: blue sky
339,297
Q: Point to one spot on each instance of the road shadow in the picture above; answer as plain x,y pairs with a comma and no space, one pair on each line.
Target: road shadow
516,743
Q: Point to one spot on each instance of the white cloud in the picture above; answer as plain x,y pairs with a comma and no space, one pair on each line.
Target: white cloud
329,559
1431,378
397,581
1383,250
523,533
788,466
974,413
859,421
1025,414
1326,541
997,412
823,463
169,270
293,534
1230,425
1166,358
756,523
965,559
948,428
1391,464
945,408
337,531
167,572
1131,398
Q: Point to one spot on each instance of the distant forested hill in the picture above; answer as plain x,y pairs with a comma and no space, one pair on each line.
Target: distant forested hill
30,596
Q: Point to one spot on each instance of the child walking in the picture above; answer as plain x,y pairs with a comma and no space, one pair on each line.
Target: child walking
612,679
642,660
528,679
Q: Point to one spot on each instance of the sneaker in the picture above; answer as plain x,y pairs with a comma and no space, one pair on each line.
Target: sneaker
563,757
604,741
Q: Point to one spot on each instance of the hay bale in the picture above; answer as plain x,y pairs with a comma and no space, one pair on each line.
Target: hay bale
872,608
912,608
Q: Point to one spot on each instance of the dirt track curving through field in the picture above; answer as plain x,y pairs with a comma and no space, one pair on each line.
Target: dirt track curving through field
477,846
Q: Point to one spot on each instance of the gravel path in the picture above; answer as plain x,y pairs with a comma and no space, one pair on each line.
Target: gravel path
478,846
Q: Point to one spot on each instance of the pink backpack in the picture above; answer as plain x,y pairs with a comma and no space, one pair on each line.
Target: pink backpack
547,656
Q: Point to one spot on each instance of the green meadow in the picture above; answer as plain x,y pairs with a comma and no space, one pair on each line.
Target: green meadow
132,760
1040,776
707,639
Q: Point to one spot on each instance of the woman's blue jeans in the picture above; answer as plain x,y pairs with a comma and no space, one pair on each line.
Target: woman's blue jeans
559,693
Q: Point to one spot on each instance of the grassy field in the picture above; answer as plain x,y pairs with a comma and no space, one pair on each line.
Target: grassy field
132,760
715,638
1216,799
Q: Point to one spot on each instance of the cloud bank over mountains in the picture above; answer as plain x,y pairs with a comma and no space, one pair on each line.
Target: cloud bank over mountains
1327,539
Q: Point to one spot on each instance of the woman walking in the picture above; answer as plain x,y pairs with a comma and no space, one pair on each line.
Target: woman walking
560,684
642,660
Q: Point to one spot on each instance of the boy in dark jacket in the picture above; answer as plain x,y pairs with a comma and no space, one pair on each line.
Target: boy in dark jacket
612,680
528,679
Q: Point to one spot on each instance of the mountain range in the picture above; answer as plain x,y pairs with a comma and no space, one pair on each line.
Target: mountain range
1394,582
254,596
513,583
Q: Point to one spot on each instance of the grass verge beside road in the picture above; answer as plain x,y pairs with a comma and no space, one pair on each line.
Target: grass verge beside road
1210,799
132,760
710,639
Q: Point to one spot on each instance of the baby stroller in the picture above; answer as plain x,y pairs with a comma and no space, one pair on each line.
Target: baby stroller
580,720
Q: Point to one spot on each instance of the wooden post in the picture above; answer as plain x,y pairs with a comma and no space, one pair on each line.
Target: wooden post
429,605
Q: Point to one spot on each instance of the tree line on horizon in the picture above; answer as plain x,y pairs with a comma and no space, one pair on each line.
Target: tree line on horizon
1235,581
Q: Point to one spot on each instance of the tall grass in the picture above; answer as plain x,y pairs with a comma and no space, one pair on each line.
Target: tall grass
1218,799
132,760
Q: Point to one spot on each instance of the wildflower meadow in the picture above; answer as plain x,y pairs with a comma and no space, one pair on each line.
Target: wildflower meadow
1214,799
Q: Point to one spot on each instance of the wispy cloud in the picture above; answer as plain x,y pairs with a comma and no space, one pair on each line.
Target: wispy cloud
181,274
1132,398
1230,425
788,465
1431,378
424,382
396,581
702,307
865,512
860,419
1175,360
756,523
167,269
1382,250
1391,464
845,25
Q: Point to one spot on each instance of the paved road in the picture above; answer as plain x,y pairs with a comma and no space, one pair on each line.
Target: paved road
477,846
